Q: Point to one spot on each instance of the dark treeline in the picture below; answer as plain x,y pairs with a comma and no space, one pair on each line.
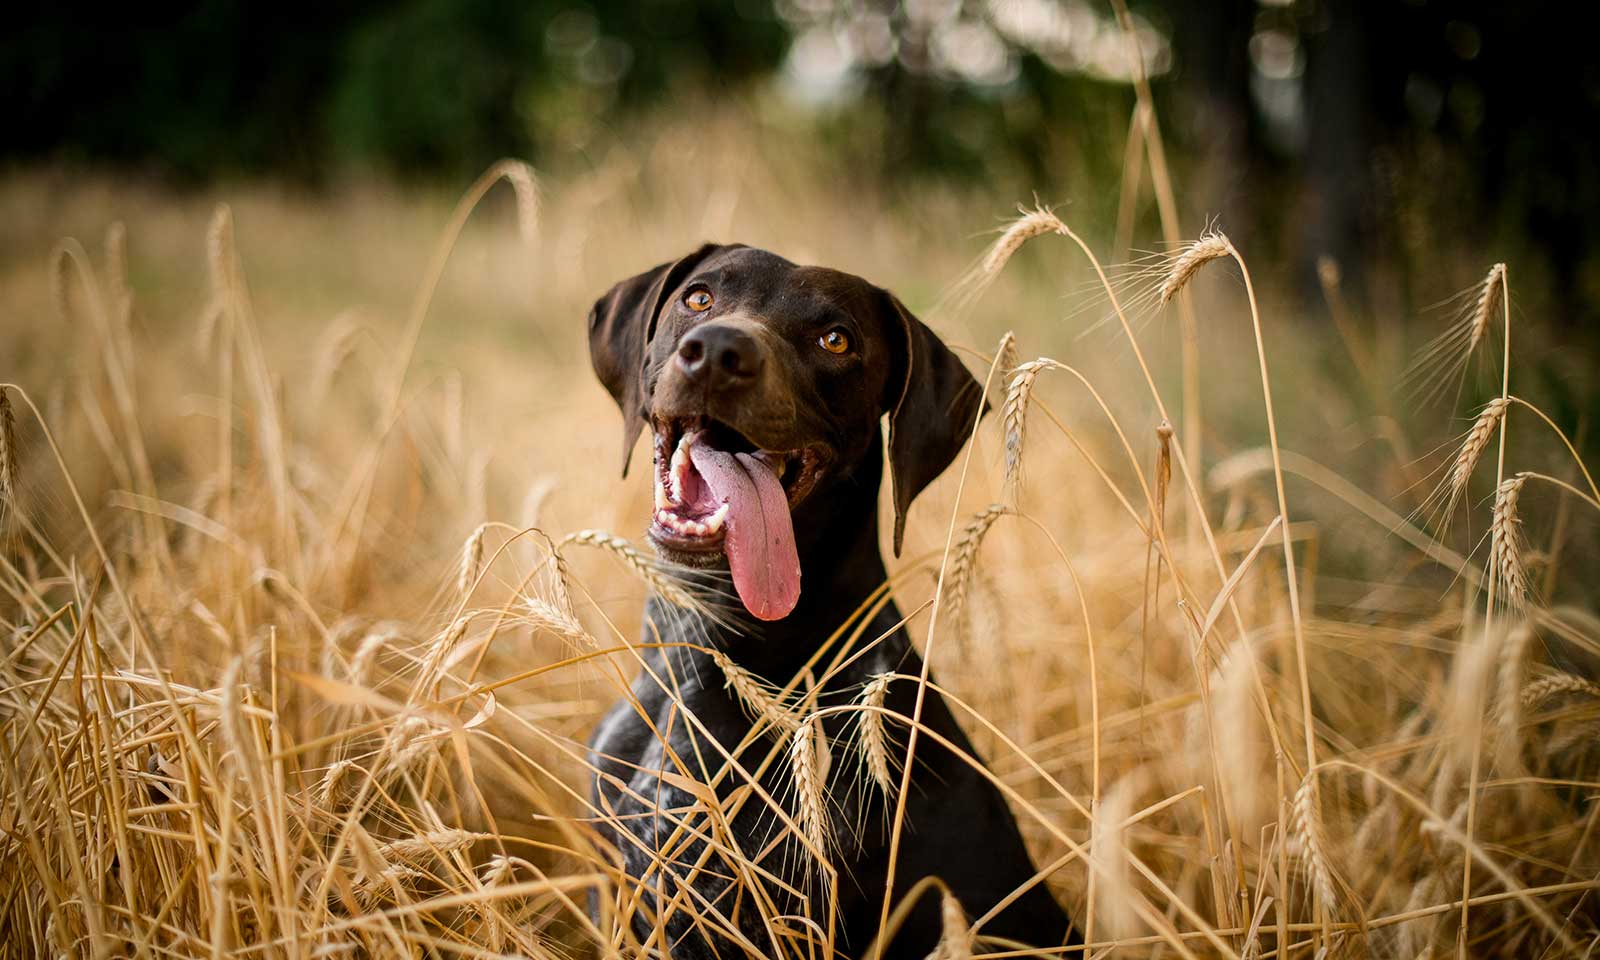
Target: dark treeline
1328,126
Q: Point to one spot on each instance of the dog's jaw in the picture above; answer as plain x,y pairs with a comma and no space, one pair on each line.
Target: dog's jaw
721,498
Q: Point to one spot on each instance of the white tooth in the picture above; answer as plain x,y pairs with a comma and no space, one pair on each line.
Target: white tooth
679,469
714,522
697,529
661,494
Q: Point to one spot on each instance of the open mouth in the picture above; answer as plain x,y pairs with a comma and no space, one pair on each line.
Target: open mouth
718,494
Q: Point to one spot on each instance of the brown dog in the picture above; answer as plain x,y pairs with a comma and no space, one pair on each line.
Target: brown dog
764,384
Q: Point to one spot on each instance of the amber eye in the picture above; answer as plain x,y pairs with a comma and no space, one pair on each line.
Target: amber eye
698,300
834,341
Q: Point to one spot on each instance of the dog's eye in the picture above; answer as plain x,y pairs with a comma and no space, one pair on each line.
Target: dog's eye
698,300
834,341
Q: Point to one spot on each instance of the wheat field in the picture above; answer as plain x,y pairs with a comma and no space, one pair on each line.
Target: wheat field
318,570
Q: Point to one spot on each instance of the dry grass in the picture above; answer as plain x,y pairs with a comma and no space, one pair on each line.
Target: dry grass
274,671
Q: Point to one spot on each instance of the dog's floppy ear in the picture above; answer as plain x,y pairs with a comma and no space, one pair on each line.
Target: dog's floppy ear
621,326
934,403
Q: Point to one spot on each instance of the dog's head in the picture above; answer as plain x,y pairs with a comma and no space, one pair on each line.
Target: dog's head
764,382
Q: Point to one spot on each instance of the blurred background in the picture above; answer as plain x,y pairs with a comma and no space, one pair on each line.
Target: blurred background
1371,158
1365,130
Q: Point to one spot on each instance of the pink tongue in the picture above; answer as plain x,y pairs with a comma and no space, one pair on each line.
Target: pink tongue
760,545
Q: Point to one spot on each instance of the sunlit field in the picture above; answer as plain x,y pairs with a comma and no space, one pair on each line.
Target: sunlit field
318,569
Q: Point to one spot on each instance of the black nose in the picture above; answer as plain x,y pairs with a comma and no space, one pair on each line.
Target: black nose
722,354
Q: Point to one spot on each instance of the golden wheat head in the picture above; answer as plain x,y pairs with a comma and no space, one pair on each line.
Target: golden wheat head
1211,246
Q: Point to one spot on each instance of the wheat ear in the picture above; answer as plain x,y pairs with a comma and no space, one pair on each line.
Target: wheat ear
753,695
1506,542
1308,831
1006,355
544,615
1032,223
1472,449
955,936
1543,689
1486,306
1209,247
425,845
9,470
874,742
1014,416
809,760
471,559
964,557
220,252
664,586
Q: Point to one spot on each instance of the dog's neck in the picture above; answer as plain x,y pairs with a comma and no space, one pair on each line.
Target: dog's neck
841,566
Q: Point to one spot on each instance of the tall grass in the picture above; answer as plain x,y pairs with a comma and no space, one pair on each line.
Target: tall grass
304,635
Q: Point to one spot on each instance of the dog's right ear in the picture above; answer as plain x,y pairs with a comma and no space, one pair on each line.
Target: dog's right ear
621,326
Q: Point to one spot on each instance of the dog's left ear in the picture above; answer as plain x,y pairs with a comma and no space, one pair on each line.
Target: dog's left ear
934,402
621,325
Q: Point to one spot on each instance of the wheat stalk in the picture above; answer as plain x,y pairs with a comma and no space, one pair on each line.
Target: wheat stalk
964,556
664,586
1032,223
1506,542
874,742
809,759
1185,265
753,695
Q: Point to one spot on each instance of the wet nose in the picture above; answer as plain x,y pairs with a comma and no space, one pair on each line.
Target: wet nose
721,354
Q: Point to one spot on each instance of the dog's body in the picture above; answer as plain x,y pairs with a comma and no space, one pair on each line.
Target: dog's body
739,379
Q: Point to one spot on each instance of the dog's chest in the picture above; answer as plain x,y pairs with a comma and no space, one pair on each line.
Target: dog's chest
662,774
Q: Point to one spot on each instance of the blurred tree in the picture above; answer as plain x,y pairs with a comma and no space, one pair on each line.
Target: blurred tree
1342,127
